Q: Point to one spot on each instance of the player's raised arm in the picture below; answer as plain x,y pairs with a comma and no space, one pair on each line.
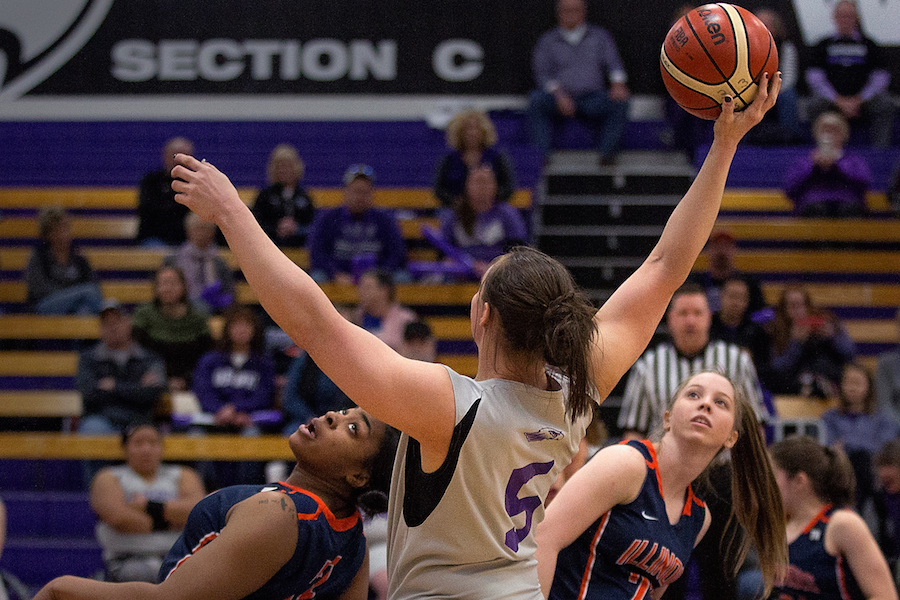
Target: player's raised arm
414,396
628,319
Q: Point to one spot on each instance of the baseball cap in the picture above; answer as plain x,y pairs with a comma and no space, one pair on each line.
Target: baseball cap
354,172
110,304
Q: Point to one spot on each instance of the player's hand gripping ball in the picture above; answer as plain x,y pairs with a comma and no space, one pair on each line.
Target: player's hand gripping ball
713,51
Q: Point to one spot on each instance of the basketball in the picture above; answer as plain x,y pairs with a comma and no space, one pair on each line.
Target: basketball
713,51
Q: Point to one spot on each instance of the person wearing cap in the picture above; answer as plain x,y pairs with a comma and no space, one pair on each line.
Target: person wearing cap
346,240
721,250
119,380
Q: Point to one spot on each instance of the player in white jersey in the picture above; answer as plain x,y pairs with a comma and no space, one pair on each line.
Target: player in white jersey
481,465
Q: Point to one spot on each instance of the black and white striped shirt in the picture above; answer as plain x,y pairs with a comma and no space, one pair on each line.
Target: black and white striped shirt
656,375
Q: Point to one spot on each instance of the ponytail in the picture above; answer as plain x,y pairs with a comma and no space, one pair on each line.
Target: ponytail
544,316
756,502
829,470
568,328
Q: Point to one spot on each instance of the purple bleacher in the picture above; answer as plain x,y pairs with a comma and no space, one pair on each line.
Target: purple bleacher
26,475
49,514
403,153
766,167
36,561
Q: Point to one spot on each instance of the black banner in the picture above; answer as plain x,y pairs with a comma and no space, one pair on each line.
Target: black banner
281,47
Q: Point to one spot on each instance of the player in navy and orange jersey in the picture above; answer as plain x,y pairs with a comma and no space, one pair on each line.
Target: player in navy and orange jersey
292,540
624,526
833,555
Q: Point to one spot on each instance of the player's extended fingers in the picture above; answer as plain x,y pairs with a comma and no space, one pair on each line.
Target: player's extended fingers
183,173
727,108
188,161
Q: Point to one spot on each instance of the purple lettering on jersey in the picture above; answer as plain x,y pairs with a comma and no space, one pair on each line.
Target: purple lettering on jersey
528,504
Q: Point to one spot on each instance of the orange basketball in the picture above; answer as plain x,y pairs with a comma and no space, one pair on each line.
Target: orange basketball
713,51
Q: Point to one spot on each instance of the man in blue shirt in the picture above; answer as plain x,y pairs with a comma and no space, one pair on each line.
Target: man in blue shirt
579,74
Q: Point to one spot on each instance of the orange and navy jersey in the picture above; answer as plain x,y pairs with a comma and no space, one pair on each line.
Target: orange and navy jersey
813,574
633,547
329,550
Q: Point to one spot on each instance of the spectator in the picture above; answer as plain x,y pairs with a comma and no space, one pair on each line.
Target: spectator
141,506
379,311
479,226
472,136
59,279
120,382
160,217
829,182
721,250
309,392
887,504
782,125
733,323
572,64
173,326
209,279
356,234
419,342
848,73
887,378
284,209
809,348
237,379
654,378
858,428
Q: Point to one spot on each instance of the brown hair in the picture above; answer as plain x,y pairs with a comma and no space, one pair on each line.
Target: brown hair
180,273
756,501
829,470
457,124
241,313
781,324
544,315
888,455
869,402
462,207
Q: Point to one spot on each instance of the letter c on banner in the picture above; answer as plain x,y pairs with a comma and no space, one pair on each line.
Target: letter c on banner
444,60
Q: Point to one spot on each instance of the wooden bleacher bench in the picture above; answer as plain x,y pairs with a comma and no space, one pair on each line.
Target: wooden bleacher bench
75,327
774,200
125,228
812,261
795,229
175,447
117,198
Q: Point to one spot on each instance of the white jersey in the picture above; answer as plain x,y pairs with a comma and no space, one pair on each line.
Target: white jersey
162,488
467,529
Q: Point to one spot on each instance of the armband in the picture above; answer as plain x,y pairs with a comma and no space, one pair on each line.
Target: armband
156,510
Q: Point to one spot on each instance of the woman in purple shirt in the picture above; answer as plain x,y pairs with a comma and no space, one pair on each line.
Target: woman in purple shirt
481,226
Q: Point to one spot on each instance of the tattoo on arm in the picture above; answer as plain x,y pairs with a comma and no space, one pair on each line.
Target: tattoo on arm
284,505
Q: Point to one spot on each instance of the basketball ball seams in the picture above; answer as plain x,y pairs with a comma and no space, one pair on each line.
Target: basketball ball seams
716,51
707,53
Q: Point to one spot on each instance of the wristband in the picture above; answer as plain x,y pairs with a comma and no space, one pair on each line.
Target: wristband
156,510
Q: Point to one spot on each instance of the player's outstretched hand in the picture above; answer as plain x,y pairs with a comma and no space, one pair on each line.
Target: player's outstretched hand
731,126
203,188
